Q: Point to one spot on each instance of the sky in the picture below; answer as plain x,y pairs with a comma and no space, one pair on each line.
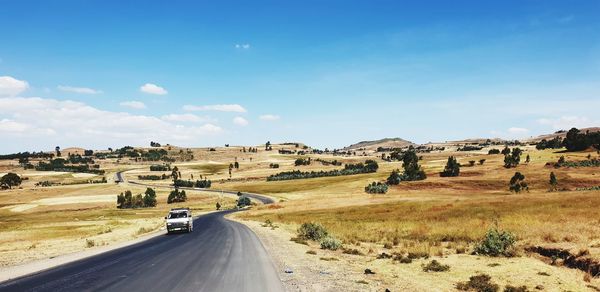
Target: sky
99,74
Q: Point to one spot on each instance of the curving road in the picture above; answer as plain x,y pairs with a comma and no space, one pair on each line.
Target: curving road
119,178
220,255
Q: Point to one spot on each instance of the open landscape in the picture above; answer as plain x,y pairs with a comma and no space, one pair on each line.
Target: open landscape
317,145
553,227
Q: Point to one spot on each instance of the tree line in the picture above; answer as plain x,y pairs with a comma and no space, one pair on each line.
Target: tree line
349,169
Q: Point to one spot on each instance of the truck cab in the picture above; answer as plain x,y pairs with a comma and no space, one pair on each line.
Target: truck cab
180,219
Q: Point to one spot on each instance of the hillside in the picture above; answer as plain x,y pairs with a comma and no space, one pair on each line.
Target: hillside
385,143
561,134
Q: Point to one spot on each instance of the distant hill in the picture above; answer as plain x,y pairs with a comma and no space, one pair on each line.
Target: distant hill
385,143
561,133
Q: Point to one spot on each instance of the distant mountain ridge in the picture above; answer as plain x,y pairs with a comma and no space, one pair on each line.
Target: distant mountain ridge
385,143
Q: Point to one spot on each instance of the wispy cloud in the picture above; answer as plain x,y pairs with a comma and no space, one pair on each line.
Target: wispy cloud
133,104
566,19
216,107
242,46
567,122
80,90
153,89
10,86
240,121
269,117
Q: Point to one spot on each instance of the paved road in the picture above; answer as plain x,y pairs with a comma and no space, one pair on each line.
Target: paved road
220,255
120,178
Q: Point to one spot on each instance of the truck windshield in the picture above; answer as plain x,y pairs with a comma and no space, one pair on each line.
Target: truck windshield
177,215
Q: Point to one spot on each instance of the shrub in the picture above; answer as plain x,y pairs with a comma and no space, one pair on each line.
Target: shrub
510,288
479,283
481,161
158,167
496,243
394,178
302,161
90,243
243,201
176,196
435,266
494,151
517,183
11,180
312,231
452,168
376,188
330,243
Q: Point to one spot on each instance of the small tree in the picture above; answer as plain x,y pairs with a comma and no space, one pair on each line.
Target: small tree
527,159
505,151
517,183
553,182
11,180
471,162
481,161
175,173
452,168
513,159
218,206
412,169
150,198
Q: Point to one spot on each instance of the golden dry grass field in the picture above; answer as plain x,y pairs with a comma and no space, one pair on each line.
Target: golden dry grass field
443,217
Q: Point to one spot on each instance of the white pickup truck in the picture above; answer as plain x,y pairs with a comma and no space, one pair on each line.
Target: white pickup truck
180,219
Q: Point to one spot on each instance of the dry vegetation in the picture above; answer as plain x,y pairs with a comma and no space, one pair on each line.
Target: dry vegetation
440,217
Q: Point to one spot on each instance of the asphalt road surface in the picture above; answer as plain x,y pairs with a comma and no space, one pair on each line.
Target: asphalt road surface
220,255
119,178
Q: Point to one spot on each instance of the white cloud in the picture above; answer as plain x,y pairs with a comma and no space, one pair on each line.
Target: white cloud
133,104
240,121
16,128
80,90
186,118
10,86
518,131
242,46
269,117
41,122
568,122
153,89
217,107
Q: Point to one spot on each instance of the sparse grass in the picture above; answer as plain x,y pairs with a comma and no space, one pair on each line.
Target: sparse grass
143,230
299,240
311,252
329,259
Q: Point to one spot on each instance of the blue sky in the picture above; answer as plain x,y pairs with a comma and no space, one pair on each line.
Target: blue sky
327,73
